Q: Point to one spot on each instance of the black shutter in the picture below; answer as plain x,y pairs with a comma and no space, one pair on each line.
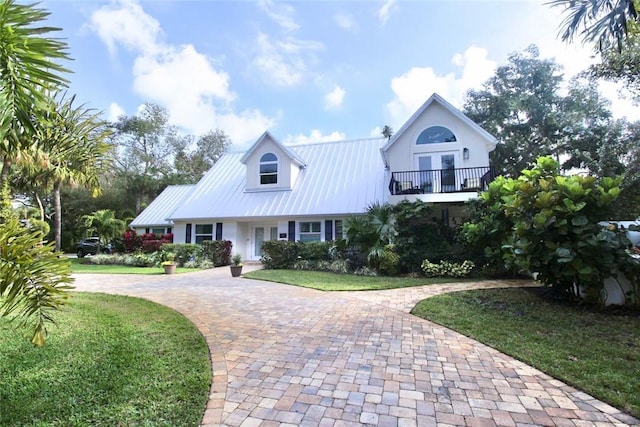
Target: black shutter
292,231
187,234
147,230
328,230
218,231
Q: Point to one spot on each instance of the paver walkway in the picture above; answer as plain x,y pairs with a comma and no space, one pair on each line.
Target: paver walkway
289,356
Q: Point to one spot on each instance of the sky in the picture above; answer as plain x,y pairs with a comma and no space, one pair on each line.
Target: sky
306,71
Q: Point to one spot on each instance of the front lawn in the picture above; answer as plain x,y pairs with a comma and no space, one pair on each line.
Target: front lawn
79,265
111,360
325,281
597,353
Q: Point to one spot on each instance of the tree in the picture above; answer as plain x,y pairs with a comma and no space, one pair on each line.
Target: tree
605,21
28,71
104,225
209,148
621,65
71,141
144,153
387,132
32,277
523,107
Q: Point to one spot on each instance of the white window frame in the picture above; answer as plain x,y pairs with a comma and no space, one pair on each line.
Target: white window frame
305,236
268,174
199,237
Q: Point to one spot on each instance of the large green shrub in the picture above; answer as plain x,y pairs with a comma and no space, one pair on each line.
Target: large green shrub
217,251
184,252
554,230
279,254
420,235
315,251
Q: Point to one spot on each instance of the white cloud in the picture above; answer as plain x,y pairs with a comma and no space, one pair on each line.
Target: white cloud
315,136
414,87
181,79
115,112
125,22
334,99
385,11
281,14
345,21
283,61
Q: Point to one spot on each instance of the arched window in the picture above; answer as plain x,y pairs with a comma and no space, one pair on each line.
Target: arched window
435,134
268,169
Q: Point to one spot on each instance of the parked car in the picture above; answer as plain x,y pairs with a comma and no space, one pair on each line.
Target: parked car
90,245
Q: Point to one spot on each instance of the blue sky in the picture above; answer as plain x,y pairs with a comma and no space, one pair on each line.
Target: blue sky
305,70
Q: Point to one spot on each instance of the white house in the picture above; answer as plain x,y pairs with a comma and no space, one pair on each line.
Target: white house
304,192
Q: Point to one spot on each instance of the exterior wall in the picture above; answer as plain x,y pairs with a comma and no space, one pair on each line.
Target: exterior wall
285,167
179,230
402,153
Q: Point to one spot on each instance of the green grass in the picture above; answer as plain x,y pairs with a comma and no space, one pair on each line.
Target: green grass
324,281
111,360
597,352
80,266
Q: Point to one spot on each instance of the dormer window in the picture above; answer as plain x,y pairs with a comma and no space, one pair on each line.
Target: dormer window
269,169
435,135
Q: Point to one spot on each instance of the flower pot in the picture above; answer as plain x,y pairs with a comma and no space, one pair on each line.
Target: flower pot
169,268
236,270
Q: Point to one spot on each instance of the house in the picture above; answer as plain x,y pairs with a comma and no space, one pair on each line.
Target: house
304,192
153,219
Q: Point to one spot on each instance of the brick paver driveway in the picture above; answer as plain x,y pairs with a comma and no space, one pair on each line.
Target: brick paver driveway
283,355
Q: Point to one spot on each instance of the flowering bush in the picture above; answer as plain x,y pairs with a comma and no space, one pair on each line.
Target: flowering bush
447,269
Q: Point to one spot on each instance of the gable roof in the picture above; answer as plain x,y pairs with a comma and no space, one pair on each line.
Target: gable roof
453,110
341,178
159,210
267,136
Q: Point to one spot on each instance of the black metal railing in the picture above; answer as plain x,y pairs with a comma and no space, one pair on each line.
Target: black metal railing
441,180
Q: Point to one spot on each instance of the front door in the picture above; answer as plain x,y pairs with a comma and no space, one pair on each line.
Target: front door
260,235
437,172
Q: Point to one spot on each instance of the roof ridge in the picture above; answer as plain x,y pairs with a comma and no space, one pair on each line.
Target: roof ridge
337,141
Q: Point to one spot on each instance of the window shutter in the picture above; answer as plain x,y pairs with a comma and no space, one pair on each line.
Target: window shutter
328,230
187,234
292,231
218,231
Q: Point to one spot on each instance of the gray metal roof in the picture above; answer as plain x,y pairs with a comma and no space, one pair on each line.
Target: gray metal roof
158,210
340,178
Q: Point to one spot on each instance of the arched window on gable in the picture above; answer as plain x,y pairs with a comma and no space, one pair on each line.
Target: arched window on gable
435,135
269,169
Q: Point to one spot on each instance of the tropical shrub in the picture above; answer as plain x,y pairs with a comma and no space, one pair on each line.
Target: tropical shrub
420,235
388,261
33,278
314,251
217,251
552,228
279,254
447,269
131,241
184,252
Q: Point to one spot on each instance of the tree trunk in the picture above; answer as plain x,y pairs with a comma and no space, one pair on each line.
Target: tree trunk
57,217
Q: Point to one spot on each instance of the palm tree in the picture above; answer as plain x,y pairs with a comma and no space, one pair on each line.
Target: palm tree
71,145
604,21
387,132
28,69
104,224
32,277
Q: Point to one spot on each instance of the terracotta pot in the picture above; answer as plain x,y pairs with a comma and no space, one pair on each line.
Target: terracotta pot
169,269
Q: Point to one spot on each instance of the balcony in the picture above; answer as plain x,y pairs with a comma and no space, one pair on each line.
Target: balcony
439,181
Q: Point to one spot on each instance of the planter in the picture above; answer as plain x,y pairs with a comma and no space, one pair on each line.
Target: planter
169,268
236,270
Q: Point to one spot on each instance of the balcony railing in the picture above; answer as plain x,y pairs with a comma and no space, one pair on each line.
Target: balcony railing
441,180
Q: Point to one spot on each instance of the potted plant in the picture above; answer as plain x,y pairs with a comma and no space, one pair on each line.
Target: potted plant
168,262
236,266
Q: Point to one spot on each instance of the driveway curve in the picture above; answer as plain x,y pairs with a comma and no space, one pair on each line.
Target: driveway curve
288,356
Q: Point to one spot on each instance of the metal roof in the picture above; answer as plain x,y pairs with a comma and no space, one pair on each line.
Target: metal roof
158,210
340,178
